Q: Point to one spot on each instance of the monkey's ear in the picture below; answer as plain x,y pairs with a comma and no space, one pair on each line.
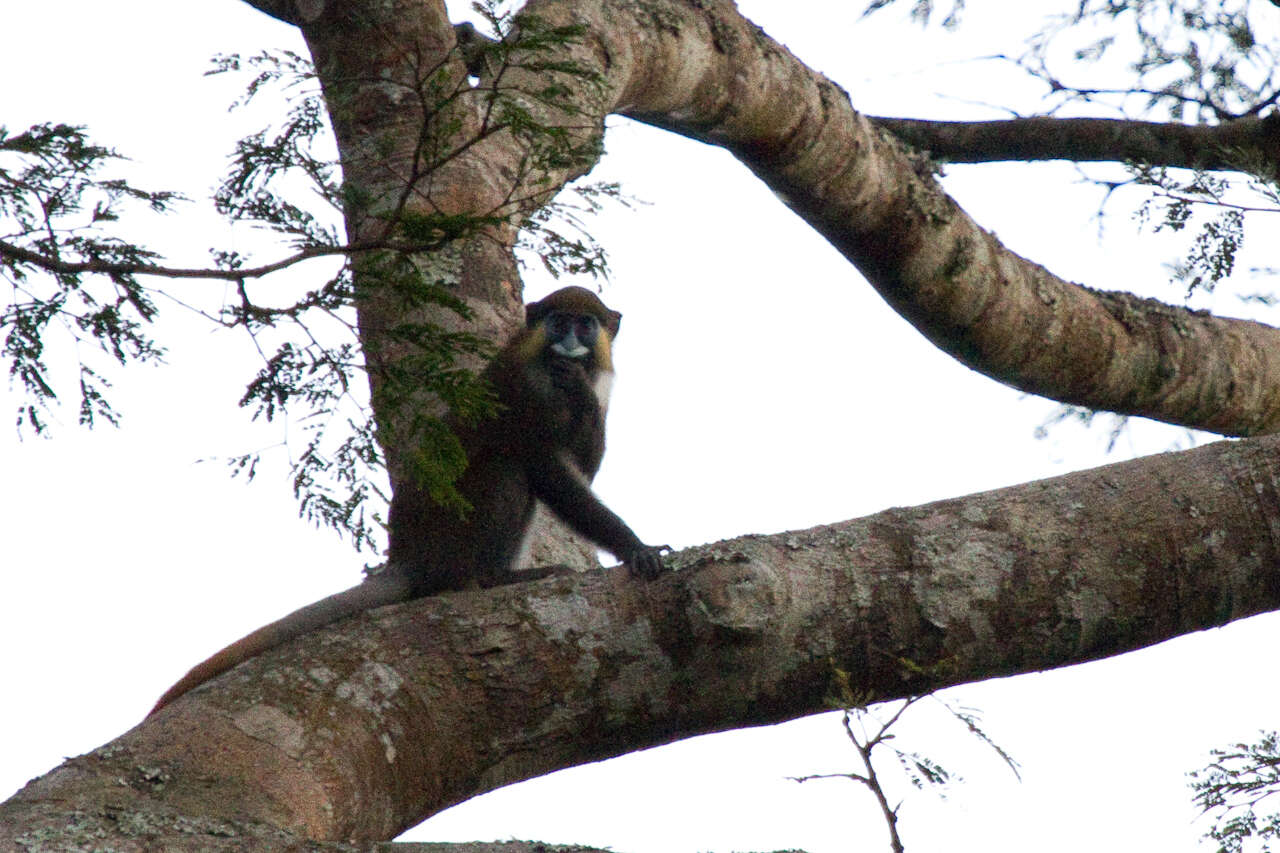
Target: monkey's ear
533,313
614,322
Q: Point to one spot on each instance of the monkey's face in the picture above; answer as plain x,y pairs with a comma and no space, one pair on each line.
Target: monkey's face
572,335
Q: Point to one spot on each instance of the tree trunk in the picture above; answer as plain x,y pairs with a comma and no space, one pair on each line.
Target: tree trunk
370,726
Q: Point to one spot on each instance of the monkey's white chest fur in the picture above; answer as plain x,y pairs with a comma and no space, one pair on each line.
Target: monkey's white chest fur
602,388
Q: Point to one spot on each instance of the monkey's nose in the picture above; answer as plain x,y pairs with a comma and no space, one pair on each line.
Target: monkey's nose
570,347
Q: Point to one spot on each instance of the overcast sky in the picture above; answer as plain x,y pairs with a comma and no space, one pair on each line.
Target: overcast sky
762,386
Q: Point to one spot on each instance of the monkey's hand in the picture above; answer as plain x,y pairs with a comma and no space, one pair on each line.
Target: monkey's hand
570,384
646,561
568,375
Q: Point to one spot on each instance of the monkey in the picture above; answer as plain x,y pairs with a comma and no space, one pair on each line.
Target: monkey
552,382
545,443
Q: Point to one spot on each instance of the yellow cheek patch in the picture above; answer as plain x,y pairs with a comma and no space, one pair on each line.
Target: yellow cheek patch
604,356
532,345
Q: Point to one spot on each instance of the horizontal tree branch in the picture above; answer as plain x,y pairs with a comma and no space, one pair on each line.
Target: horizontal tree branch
1239,145
365,728
59,266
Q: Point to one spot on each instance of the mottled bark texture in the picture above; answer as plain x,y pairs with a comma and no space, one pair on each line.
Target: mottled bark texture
366,728
416,139
702,70
362,730
879,205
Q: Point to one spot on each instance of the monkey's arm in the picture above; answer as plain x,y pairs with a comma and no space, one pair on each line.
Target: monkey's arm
376,591
558,484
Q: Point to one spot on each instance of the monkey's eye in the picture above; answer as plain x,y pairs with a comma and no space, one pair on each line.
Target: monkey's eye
582,325
559,324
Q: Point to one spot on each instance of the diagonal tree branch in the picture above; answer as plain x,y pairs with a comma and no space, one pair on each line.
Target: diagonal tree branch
371,725
706,72
880,207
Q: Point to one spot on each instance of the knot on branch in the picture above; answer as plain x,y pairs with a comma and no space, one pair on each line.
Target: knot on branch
737,599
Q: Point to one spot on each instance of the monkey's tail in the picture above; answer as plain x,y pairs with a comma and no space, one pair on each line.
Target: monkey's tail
377,591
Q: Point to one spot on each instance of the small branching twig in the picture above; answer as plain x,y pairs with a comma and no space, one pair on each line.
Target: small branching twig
865,743
868,731
1233,787
65,268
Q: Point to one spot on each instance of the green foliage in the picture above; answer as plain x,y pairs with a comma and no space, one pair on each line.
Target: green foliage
1066,413
557,233
1196,60
268,159
1212,202
552,230
55,206
1232,788
333,490
922,11
870,729
1193,61
67,271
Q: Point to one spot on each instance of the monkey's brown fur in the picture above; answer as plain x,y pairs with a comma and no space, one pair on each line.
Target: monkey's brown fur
545,443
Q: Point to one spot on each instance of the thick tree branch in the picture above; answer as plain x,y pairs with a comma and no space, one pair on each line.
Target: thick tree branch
296,12
369,726
1239,145
416,139
362,730
710,74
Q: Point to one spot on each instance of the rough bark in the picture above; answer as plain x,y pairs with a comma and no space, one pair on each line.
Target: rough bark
1242,144
413,138
880,207
366,728
704,71
392,78
370,726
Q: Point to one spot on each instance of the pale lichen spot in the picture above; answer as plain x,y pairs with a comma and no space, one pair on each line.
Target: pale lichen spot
369,687
270,724
322,675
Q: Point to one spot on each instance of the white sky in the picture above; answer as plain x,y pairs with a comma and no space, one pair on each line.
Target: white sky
762,386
